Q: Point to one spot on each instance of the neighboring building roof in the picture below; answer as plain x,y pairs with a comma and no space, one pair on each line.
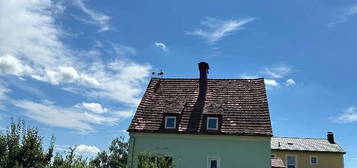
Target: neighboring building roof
276,162
241,105
305,144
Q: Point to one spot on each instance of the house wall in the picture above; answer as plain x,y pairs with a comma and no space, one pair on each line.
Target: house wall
192,151
325,160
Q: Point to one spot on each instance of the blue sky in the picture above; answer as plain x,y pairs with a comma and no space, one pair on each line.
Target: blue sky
77,69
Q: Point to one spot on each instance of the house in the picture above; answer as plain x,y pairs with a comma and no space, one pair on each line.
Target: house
308,152
203,123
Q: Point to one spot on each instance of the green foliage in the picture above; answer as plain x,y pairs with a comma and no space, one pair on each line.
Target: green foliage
21,146
70,160
116,157
147,160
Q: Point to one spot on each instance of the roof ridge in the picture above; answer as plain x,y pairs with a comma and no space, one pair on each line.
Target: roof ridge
210,78
300,138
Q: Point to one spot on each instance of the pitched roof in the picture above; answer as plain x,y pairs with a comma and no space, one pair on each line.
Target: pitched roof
305,144
276,162
241,105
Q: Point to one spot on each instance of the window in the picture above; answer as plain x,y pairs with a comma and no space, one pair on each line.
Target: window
212,123
314,160
213,162
291,161
170,122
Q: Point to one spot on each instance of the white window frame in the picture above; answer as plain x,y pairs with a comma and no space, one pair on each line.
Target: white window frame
317,160
286,160
167,117
210,158
216,118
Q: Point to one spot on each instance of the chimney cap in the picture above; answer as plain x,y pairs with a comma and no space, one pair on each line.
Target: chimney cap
203,65
330,137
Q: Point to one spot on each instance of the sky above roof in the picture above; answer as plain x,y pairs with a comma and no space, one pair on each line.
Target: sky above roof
77,69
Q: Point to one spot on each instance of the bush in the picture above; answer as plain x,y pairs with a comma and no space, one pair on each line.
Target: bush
147,160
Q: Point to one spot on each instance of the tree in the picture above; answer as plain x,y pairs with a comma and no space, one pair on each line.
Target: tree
70,160
116,157
147,160
22,147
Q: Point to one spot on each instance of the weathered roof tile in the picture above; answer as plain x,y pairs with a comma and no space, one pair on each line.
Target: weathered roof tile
241,104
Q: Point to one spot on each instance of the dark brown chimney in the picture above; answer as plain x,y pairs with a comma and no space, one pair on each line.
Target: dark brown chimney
330,137
203,67
193,125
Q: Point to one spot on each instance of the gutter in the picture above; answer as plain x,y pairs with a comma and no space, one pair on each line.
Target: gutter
336,152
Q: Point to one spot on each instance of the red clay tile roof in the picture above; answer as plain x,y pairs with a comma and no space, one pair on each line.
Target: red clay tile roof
240,104
276,162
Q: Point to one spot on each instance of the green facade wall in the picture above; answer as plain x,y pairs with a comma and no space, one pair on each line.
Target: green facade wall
192,151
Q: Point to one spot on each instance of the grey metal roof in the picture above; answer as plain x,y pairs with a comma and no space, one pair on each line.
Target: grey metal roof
304,144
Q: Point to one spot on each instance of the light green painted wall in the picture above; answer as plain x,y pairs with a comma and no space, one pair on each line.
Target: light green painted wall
191,151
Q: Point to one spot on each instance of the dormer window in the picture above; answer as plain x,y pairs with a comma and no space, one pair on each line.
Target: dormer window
212,123
170,122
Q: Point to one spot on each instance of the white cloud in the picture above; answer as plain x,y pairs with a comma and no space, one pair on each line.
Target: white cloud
125,82
38,52
277,72
3,91
271,82
86,80
161,45
290,82
93,107
62,75
68,117
81,149
344,15
67,74
29,33
247,76
123,51
95,17
216,29
87,149
13,66
349,115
